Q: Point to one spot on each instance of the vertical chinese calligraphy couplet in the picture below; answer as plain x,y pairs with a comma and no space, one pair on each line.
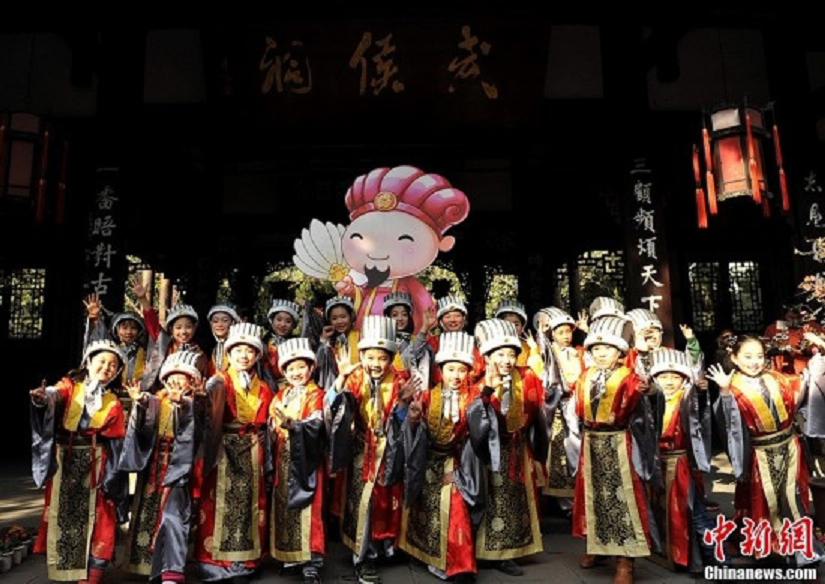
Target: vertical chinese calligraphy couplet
648,262
105,261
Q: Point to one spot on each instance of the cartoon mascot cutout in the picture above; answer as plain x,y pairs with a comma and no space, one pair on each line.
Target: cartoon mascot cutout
398,217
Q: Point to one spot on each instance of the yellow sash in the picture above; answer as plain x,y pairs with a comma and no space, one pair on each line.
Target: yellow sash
515,416
672,402
166,419
604,415
74,411
374,417
246,402
751,392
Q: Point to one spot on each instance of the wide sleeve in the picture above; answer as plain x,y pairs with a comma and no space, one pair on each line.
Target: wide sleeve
183,452
735,434
306,452
482,423
813,402
342,416
698,426
415,444
43,418
140,435
212,431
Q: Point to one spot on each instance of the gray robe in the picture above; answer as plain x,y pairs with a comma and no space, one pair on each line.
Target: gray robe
170,548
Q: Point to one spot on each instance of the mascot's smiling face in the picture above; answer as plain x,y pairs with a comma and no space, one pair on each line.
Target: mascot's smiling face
391,244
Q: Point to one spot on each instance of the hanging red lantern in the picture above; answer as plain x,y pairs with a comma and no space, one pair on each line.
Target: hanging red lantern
734,142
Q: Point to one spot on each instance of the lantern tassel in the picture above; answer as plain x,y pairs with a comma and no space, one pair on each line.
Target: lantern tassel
710,180
753,169
780,163
783,187
714,209
701,209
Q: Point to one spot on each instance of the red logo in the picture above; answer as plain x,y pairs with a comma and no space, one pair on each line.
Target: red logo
758,537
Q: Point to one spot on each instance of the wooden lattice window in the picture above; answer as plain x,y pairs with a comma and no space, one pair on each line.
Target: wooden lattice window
26,303
745,296
704,294
600,273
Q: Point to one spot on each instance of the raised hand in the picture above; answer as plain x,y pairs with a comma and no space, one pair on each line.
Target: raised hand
38,394
93,306
345,287
719,377
135,393
492,378
430,319
687,331
141,292
327,332
582,322
345,367
410,388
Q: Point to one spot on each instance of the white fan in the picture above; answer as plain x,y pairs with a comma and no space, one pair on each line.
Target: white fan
318,252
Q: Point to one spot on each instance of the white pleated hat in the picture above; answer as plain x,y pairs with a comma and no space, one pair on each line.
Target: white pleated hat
511,305
449,303
292,349
494,333
103,345
225,308
665,359
124,316
608,330
245,333
557,317
455,346
396,299
378,332
185,362
605,306
282,305
643,319
338,301
177,311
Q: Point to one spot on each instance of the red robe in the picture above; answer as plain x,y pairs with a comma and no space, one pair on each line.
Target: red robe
386,500
674,438
615,411
313,404
521,468
206,522
108,423
750,497
444,435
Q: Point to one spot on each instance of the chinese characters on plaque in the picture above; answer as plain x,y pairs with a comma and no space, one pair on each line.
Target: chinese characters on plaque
103,254
286,66
648,246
